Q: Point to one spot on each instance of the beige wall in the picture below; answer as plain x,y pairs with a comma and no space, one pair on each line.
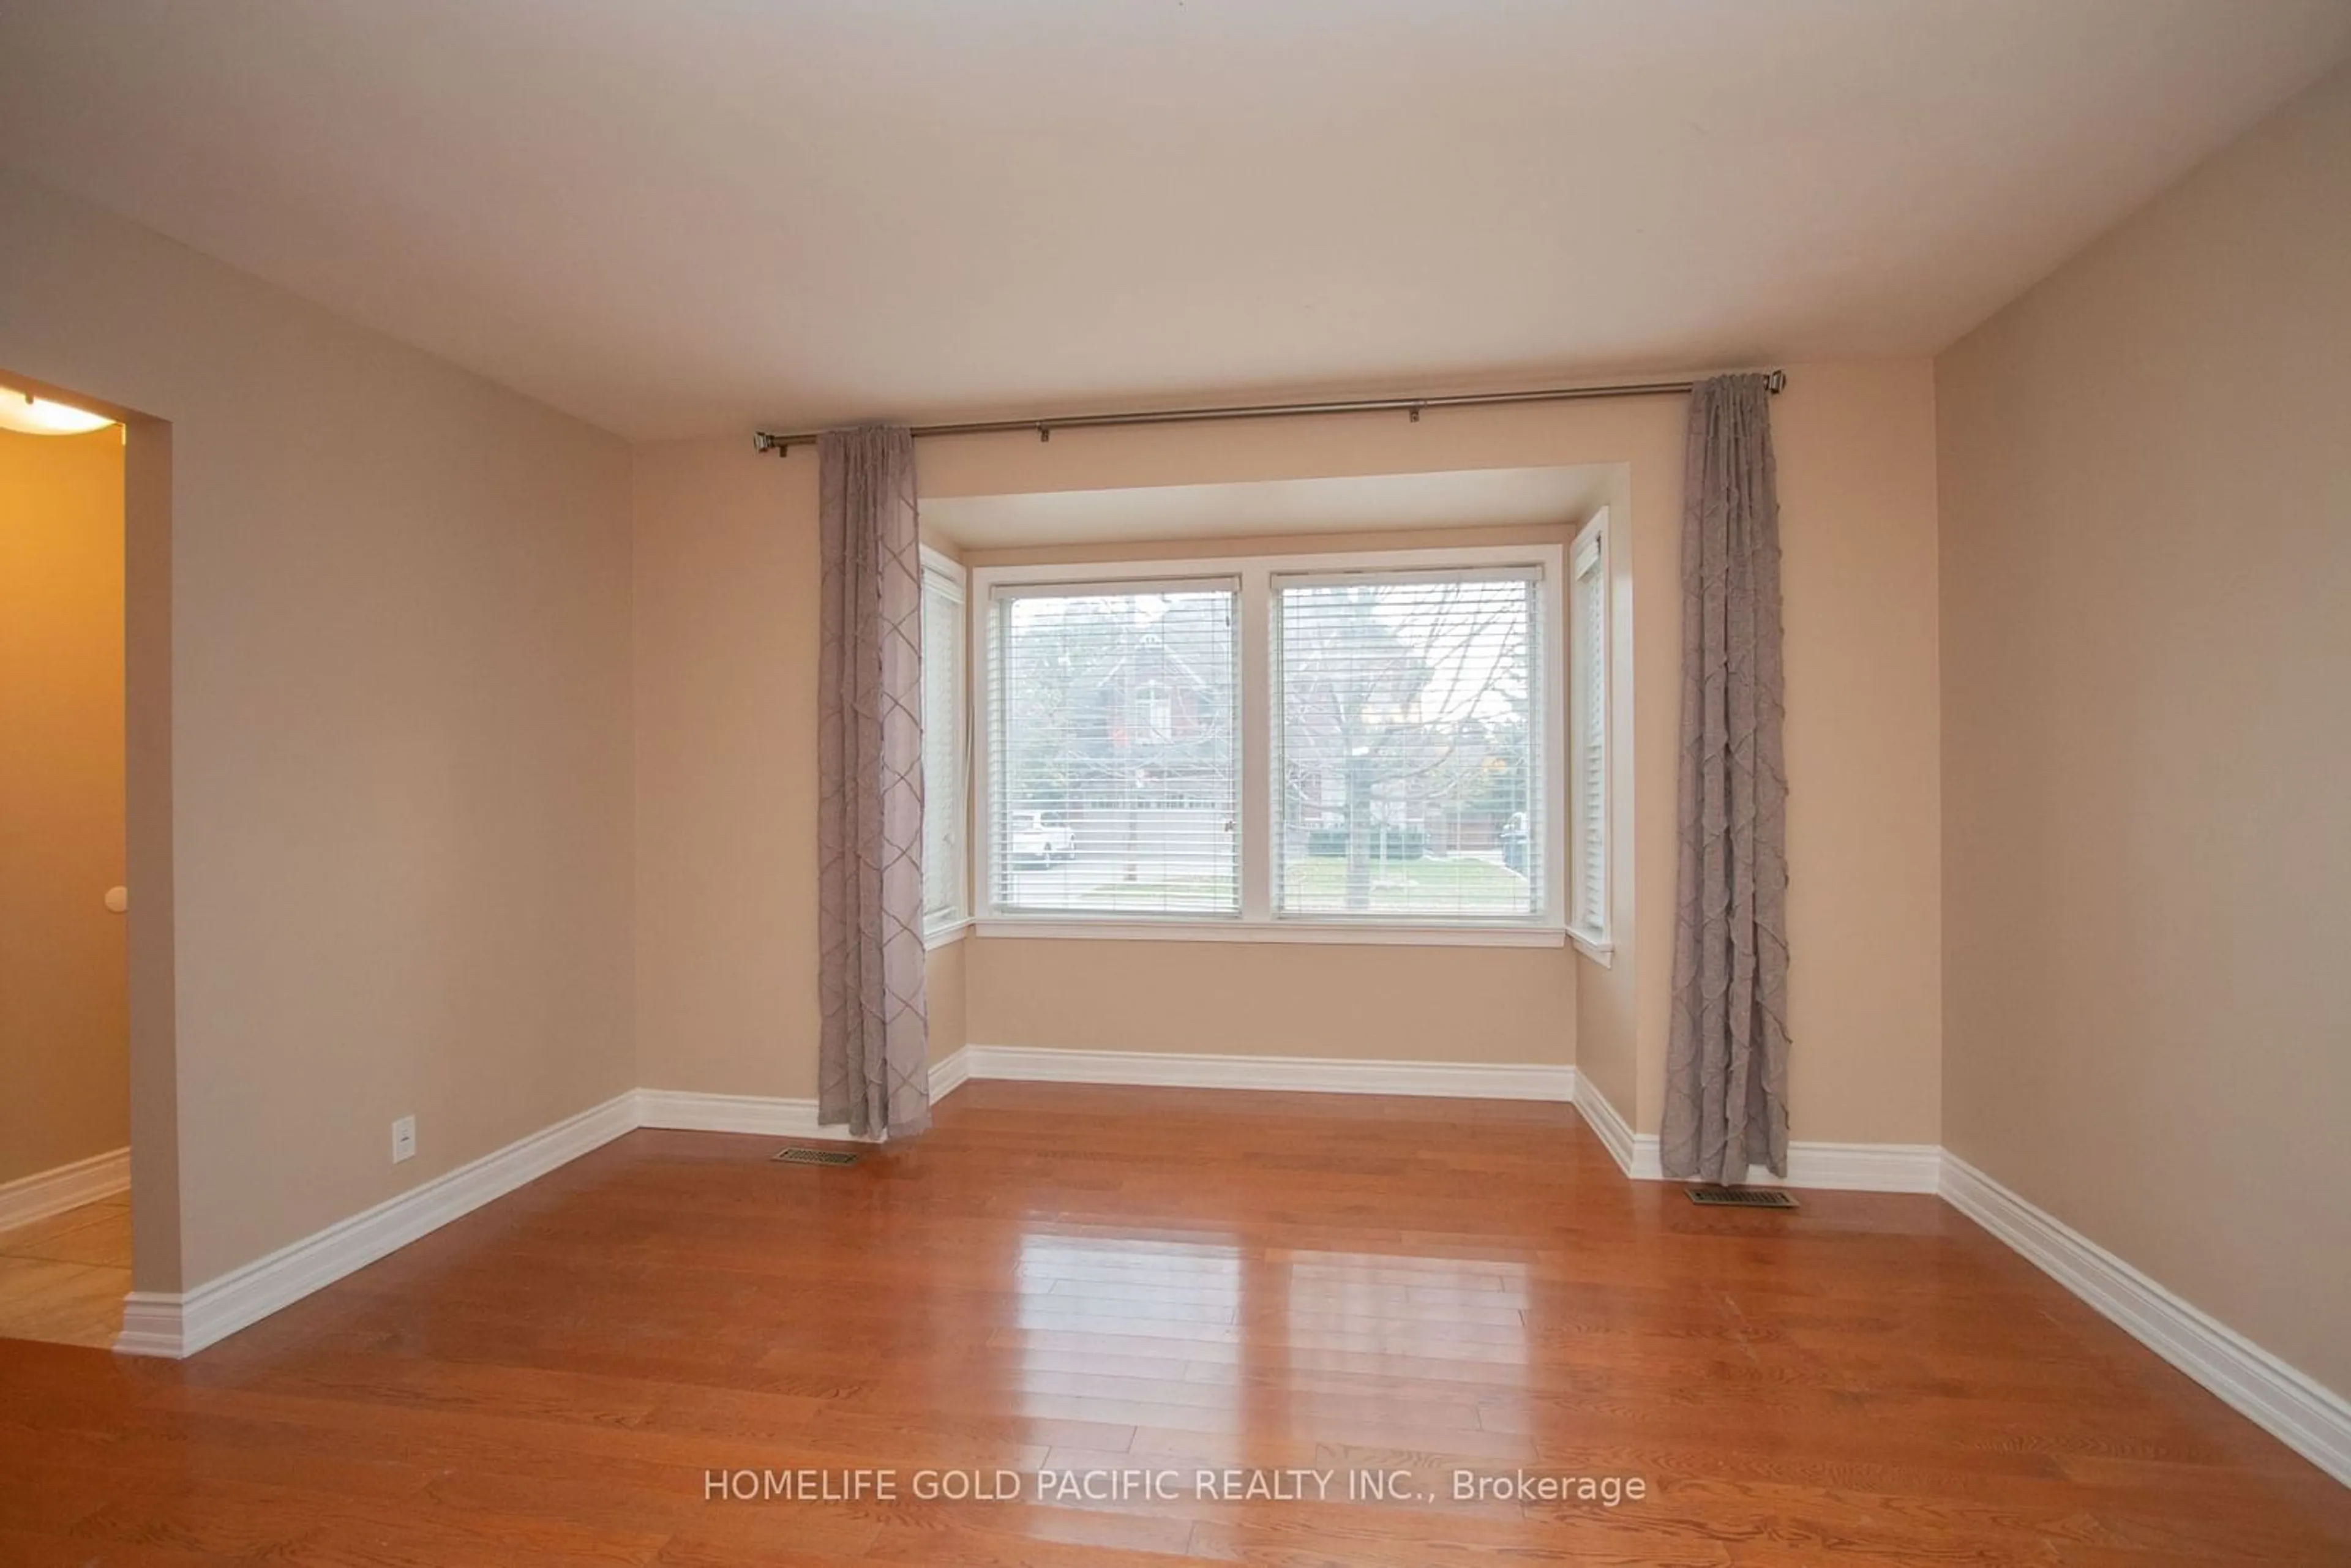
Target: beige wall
2146,573
944,988
64,1043
1264,998
725,769
725,776
726,633
1857,449
398,747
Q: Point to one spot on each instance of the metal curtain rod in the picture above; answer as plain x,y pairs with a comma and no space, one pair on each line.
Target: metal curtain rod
781,444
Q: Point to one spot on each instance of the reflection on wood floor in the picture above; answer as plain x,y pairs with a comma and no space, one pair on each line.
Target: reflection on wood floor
1139,1283
63,1278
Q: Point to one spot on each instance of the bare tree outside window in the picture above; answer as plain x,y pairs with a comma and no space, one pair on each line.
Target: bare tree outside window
1406,743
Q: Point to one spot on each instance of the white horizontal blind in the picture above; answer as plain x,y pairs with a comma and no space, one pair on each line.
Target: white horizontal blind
943,748
1588,655
1409,746
1114,767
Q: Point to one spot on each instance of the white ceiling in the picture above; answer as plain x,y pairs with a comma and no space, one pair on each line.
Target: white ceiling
1467,498
691,218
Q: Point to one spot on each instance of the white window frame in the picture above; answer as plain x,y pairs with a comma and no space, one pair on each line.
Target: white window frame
1590,929
990,584
1254,745
944,572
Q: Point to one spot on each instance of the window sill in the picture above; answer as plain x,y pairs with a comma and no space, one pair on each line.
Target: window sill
1597,948
1145,929
937,936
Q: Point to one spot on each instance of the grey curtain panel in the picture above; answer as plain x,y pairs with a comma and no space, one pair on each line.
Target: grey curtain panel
872,1066
1727,1055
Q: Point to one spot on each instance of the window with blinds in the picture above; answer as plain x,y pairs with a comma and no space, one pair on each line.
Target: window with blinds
1371,746
1409,760
944,903
1112,716
1588,728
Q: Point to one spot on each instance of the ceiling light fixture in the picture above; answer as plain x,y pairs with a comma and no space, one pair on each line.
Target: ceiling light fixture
39,416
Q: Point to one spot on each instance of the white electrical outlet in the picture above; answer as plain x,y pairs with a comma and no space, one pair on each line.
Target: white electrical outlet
404,1139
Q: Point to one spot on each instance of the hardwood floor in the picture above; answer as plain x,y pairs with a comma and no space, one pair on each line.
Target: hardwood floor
63,1278
1148,1282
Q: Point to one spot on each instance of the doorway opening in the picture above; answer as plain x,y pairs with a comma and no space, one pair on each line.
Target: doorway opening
64,1036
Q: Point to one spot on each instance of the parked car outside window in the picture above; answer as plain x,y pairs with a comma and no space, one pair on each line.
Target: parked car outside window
1042,837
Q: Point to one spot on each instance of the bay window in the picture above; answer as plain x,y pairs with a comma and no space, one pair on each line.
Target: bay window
1363,746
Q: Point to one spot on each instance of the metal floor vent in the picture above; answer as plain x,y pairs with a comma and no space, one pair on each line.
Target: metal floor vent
1740,1197
799,1157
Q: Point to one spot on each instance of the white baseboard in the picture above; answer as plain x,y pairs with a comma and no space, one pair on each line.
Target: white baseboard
777,1117
2300,1412
1635,1155
1323,1075
772,1116
53,1191
1821,1165
950,1074
152,1325
1858,1167
176,1324
684,1111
